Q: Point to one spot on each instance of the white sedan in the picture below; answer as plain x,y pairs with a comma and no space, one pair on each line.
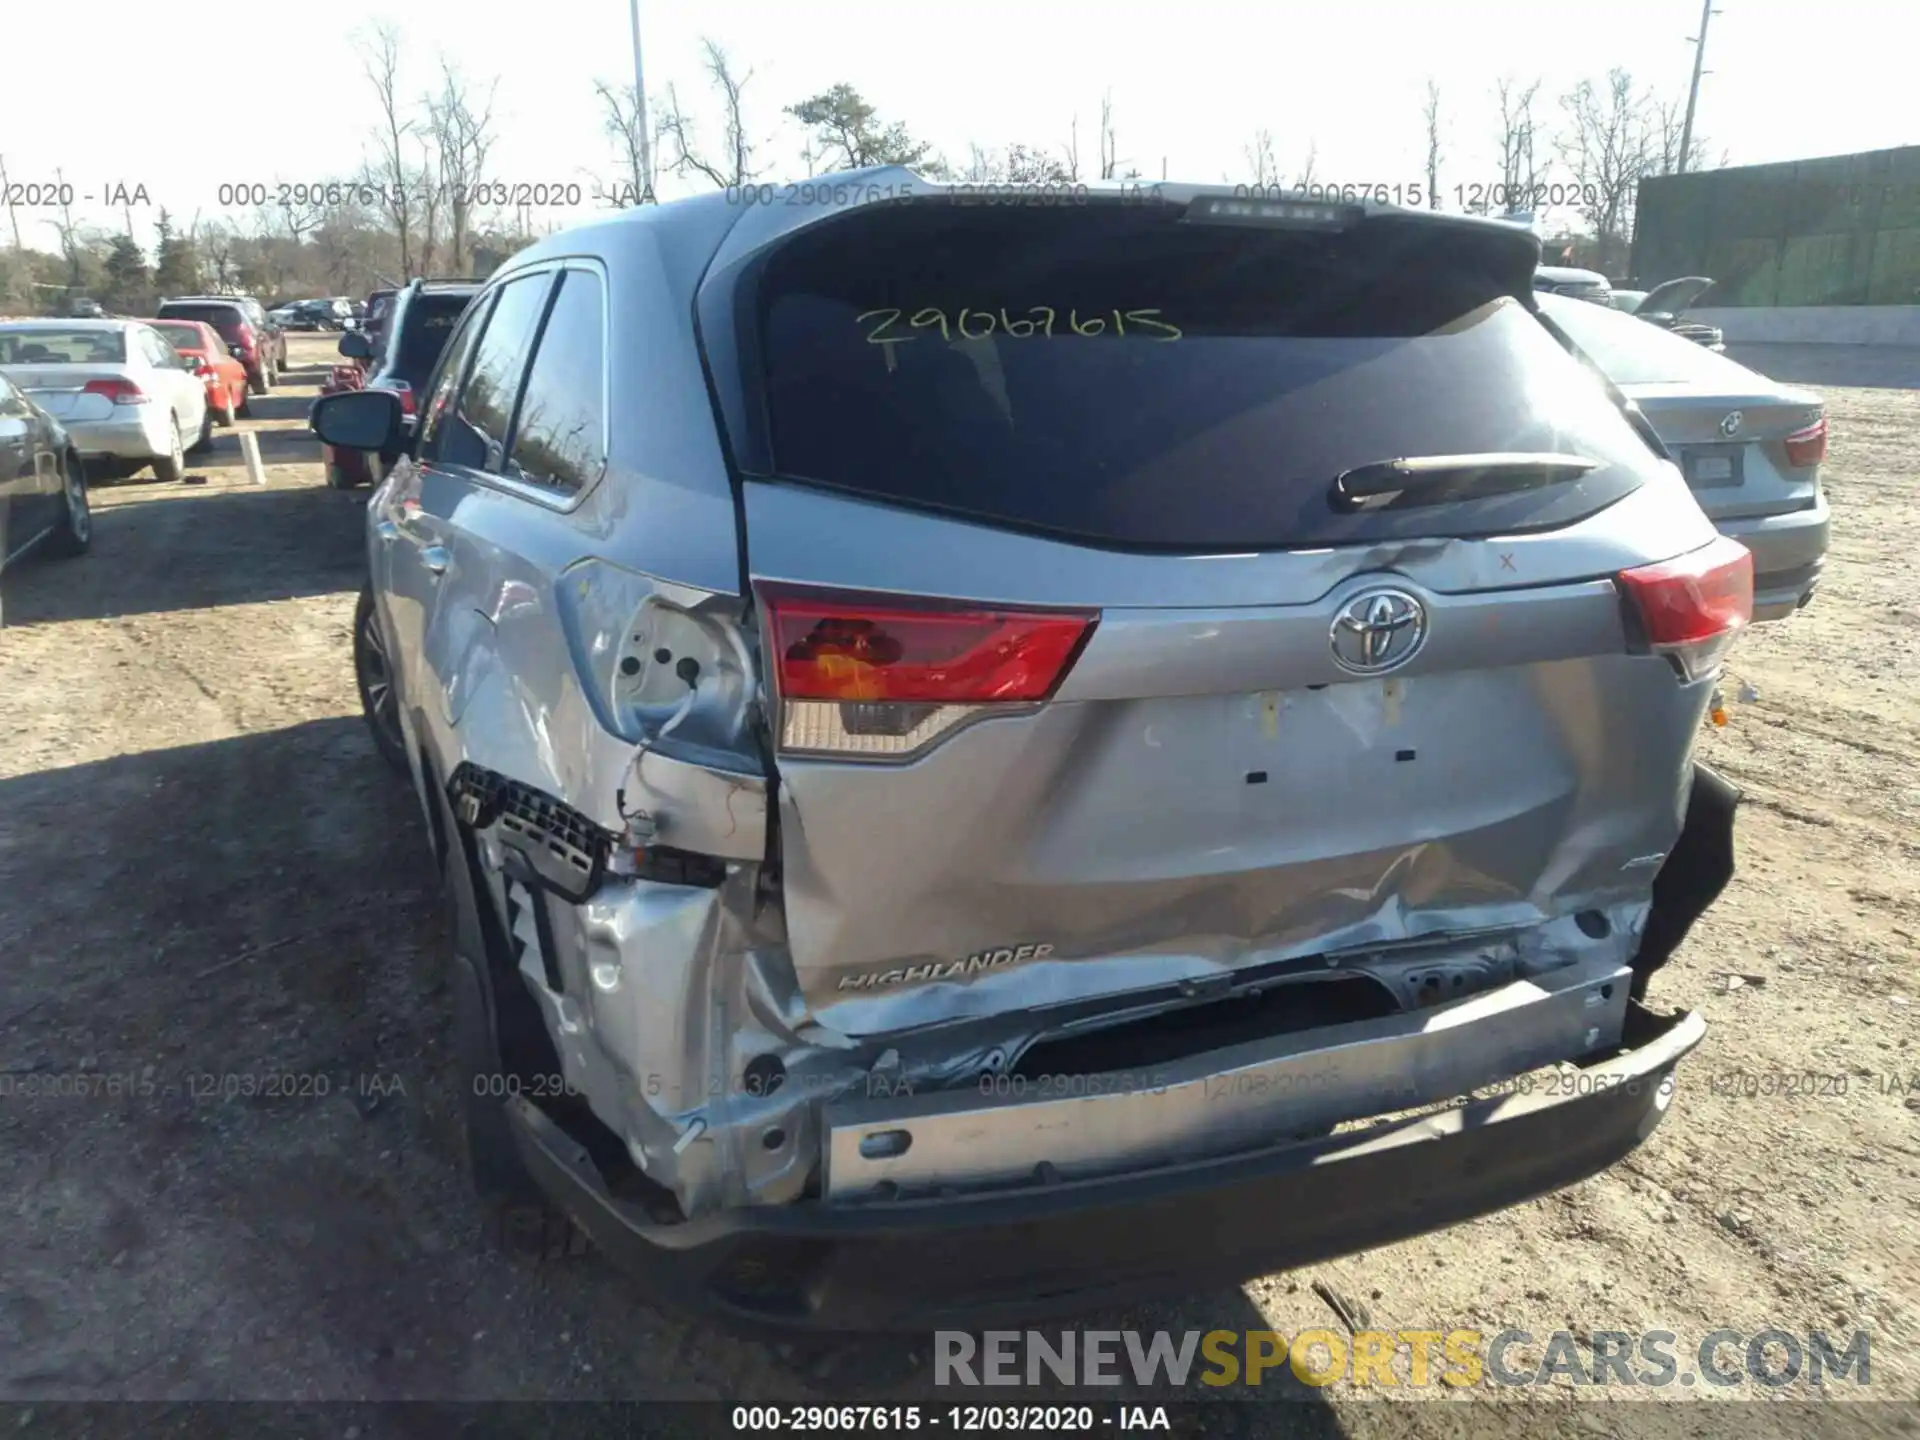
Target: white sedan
122,392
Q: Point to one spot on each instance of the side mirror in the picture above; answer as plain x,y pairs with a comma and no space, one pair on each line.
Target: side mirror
355,346
359,420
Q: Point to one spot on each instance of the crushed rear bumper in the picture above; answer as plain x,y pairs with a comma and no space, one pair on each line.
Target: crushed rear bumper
1014,1256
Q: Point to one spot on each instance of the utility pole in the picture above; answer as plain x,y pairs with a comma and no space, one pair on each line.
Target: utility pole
1707,12
640,109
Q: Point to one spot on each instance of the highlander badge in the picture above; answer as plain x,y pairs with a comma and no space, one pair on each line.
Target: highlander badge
946,970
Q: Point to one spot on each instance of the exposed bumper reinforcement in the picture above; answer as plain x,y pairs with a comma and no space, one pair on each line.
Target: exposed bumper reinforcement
1017,1256
1223,1101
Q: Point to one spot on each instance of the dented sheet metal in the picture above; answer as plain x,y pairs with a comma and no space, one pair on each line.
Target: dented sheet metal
1073,1126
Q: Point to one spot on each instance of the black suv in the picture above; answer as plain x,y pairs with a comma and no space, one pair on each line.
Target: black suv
255,338
400,356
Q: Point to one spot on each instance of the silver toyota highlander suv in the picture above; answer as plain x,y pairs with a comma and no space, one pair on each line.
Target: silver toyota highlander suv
993,758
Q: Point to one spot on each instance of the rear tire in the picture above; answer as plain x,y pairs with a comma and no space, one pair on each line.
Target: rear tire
373,675
241,407
169,469
259,384
225,412
75,531
205,437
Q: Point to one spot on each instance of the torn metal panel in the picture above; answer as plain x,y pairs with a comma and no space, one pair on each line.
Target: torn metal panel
1214,1103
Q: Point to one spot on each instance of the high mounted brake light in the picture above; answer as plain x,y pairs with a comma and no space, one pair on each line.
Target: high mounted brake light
1281,214
1693,608
882,676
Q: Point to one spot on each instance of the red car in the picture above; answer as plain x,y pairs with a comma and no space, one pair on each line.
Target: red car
208,357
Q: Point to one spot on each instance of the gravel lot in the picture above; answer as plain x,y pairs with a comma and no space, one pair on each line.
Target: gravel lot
205,871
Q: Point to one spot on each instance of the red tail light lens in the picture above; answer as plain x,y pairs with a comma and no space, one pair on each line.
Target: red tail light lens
882,651
1809,446
405,392
120,392
1693,608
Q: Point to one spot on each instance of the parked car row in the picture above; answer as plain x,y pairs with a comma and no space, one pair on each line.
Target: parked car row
1344,614
125,397
43,489
398,356
255,339
1664,305
333,313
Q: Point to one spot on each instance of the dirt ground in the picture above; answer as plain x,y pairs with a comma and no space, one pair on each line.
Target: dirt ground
206,871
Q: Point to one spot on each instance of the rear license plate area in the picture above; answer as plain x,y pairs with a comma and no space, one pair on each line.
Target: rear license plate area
1715,467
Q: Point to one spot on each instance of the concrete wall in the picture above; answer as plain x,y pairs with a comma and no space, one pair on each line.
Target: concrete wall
1815,324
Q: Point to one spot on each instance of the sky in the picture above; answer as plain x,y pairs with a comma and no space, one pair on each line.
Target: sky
1190,82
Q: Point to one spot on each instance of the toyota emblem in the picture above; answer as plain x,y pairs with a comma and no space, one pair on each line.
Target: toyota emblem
1377,631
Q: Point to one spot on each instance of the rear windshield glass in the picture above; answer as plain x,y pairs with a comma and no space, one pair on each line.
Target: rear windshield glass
1116,375
424,332
181,337
226,319
1633,351
63,347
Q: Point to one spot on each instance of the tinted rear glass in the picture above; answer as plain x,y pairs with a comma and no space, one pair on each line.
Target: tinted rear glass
181,337
1633,351
226,319
424,331
1114,375
63,347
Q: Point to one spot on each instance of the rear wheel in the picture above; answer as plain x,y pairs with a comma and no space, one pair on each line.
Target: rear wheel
74,533
240,405
373,673
259,382
226,410
205,438
169,468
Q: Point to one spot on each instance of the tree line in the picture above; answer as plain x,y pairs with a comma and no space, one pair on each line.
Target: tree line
419,201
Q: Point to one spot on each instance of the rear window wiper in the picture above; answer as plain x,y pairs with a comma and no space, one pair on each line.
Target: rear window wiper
1438,479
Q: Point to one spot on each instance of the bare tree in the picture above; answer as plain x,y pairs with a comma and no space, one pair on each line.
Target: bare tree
69,236
622,124
1522,169
1070,152
1430,113
1016,165
1669,124
13,215
1265,170
1607,148
389,172
462,128
218,239
1109,140
735,166
429,187
1306,169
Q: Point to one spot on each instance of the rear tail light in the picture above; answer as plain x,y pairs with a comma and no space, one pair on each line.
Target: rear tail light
1692,609
405,392
120,392
882,678
1809,446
